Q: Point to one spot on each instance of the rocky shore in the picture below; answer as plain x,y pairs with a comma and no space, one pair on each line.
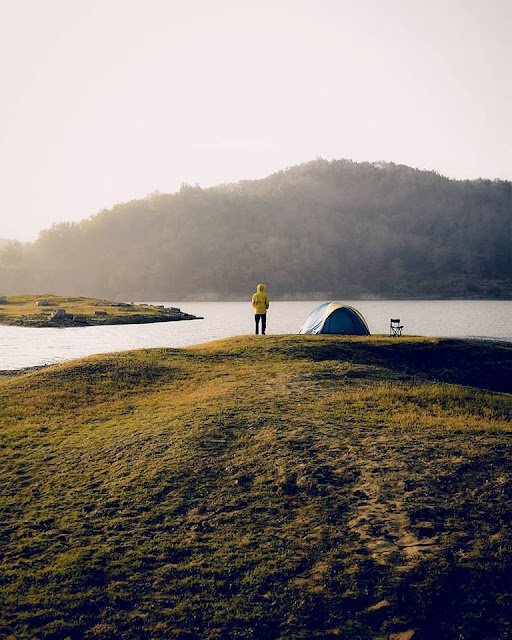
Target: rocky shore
59,311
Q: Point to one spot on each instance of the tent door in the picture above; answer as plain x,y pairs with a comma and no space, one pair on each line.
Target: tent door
339,322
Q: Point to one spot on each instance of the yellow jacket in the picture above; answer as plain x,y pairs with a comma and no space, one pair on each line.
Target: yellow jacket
260,300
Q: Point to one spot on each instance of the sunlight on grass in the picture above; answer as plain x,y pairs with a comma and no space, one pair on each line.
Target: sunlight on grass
292,483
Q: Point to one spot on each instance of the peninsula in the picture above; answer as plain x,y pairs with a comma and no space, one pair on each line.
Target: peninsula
60,311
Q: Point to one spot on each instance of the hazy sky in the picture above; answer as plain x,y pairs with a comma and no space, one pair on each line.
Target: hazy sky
104,101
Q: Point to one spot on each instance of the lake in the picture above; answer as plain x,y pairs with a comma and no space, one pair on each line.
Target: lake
24,347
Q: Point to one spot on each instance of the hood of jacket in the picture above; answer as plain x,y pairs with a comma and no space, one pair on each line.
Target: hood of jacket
260,288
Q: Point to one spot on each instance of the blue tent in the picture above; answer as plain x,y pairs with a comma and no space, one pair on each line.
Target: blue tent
335,317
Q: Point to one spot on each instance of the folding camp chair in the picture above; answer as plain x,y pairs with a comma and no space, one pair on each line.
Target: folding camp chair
395,328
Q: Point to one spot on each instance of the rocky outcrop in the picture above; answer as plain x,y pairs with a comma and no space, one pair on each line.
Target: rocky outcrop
59,314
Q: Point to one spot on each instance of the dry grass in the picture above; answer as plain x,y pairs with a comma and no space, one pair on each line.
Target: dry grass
260,487
24,311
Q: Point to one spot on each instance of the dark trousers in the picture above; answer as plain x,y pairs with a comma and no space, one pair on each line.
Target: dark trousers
263,318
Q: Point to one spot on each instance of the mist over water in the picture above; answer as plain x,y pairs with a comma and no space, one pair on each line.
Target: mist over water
26,347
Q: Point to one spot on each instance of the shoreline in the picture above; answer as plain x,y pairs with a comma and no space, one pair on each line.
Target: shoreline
468,340
118,321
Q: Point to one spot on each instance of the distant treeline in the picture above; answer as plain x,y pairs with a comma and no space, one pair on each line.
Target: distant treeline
323,229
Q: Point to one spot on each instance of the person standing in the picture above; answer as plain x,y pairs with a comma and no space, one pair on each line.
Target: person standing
260,304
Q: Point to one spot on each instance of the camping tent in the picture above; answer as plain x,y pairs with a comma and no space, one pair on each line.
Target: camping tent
335,317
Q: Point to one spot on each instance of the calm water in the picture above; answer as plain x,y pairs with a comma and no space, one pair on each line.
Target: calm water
21,347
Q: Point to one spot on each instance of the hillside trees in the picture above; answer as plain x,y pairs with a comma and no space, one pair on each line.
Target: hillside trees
339,228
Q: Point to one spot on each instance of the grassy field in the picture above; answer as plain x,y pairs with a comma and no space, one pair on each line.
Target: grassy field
23,311
288,487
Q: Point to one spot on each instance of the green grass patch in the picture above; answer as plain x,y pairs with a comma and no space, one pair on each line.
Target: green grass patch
260,487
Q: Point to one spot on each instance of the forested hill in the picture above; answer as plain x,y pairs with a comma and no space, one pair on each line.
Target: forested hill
323,229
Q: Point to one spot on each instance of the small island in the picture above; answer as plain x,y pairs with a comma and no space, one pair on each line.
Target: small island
63,311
